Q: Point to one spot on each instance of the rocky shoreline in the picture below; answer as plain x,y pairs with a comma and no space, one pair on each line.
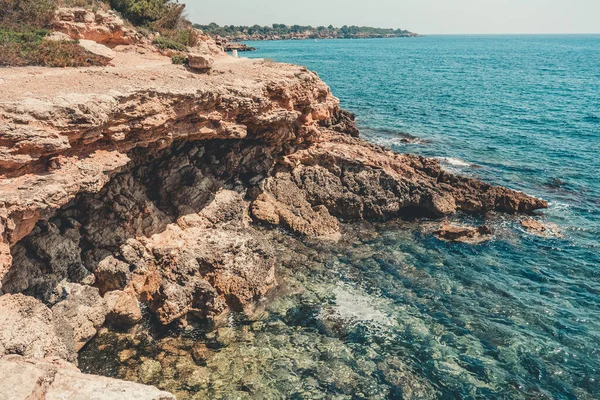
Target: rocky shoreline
149,186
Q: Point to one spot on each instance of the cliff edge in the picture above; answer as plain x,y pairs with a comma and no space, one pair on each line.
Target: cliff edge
151,183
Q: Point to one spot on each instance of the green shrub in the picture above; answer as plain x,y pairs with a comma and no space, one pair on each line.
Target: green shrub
165,43
186,37
27,46
168,13
36,13
179,59
89,4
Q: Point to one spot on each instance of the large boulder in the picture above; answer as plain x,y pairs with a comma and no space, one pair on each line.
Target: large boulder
83,309
201,62
51,379
29,328
97,49
124,309
112,274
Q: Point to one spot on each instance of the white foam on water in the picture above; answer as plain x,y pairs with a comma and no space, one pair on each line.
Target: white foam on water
559,206
396,141
455,162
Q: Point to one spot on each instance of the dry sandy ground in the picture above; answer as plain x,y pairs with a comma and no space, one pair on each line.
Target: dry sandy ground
134,68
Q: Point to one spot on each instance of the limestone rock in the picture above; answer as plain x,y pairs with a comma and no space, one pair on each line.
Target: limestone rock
84,310
348,179
112,274
97,49
464,234
58,37
103,27
275,208
51,379
29,328
202,62
124,309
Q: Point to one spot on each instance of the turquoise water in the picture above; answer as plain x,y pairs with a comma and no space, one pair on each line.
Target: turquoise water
391,312
519,111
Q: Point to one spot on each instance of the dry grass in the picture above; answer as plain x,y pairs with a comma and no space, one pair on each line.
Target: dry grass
36,13
23,31
89,4
29,47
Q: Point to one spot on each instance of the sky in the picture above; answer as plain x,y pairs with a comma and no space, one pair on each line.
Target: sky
421,16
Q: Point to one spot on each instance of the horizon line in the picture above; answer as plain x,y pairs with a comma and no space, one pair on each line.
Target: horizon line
514,33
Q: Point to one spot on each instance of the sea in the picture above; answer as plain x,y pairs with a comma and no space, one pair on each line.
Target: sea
391,312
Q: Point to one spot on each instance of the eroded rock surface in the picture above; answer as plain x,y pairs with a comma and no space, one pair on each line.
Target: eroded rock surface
349,179
30,329
464,234
83,309
540,228
200,62
54,379
104,27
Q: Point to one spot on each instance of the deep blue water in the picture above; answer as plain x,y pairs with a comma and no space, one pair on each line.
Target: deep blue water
518,317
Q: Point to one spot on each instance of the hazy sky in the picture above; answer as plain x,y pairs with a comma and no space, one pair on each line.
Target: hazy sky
422,16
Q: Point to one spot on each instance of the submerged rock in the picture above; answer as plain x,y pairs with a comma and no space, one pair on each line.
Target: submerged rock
542,229
464,234
149,371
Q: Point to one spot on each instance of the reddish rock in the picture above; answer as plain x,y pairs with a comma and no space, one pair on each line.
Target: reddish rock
464,234
104,27
123,309
540,228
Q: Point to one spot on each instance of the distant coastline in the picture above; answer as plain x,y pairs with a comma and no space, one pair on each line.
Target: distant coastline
228,34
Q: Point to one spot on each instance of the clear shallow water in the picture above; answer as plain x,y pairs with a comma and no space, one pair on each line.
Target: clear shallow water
392,312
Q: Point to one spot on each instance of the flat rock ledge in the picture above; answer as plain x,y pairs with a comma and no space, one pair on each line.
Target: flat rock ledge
54,379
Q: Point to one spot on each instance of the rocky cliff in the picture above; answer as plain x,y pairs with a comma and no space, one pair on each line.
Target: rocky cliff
149,185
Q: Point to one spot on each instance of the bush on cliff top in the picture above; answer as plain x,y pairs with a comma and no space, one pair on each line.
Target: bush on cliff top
163,16
36,13
166,14
179,59
165,43
27,46
23,31
177,39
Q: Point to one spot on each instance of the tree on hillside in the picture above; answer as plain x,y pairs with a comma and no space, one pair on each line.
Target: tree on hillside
167,13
